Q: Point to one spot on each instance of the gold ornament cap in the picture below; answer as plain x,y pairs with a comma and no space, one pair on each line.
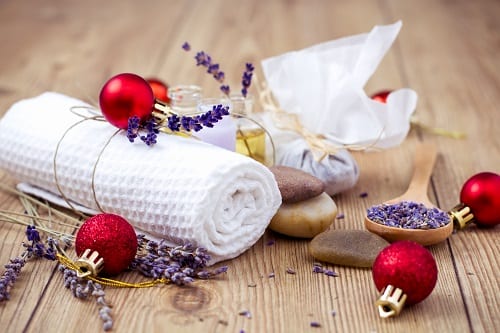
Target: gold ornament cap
90,263
461,215
391,302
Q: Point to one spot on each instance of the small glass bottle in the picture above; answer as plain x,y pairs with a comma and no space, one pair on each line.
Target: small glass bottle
250,136
184,99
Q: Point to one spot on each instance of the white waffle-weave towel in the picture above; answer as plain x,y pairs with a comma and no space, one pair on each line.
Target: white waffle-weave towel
181,189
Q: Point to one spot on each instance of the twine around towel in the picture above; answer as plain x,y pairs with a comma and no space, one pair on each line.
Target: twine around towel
85,118
95,116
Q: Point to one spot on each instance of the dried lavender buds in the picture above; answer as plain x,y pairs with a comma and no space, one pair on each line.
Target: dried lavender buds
181,264
36,248
9,277
318,268
83,289
408,215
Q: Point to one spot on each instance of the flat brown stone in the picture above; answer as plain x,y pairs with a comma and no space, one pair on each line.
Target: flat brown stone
357,248
296,185
305,219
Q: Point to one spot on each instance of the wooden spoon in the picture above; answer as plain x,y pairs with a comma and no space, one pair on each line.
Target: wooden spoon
425,156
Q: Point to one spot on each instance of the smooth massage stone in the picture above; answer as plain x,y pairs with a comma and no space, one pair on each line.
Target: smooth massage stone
305,219
296,185
357,248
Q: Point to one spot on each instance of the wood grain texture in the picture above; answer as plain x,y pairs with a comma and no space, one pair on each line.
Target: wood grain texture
447,51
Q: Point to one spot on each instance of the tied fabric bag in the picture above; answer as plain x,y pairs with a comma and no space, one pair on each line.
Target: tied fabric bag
181,189
323,87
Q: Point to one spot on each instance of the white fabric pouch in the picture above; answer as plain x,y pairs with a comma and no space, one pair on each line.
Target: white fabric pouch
323,88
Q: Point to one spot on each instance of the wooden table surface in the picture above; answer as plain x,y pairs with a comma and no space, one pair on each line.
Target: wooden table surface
447,51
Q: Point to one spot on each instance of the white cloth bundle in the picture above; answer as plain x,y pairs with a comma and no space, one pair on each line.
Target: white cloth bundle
181,189
324,86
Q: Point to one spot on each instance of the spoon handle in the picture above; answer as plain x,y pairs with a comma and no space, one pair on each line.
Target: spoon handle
425,157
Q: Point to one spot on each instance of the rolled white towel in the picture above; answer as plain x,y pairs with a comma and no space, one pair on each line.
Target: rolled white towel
181,189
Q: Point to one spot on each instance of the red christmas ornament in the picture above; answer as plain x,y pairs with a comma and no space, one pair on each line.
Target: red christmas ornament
404,271
126,95
381,96
480,201
160,89
482,194
114,240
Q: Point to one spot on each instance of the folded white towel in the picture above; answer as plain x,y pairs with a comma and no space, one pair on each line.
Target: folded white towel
181,189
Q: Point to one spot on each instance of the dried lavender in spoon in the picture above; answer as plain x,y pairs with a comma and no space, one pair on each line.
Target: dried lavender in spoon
408,215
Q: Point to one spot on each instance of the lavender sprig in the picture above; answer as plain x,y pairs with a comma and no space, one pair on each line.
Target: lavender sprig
174,123
246,79
196,123
9,277
180,264
36,248
83,289
203,59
